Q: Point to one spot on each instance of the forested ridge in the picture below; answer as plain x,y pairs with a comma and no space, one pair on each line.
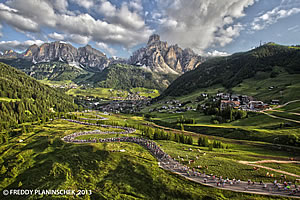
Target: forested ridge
23,99
232,70
54,70
121,76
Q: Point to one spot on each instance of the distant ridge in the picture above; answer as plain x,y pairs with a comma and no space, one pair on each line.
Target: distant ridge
156,56
232,70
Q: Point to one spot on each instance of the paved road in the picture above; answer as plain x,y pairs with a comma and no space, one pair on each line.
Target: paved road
170,164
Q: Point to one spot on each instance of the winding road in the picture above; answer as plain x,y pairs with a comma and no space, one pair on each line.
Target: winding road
166,162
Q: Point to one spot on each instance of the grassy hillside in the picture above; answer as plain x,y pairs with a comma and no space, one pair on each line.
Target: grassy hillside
126,77
23,99
43,161
268,65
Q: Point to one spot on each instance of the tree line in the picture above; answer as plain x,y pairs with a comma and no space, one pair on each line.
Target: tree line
23,99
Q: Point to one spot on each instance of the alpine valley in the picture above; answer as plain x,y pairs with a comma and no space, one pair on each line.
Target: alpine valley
154,66
165,123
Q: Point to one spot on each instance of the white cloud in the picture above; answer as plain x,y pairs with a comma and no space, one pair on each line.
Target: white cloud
272,17
19,22
56,36
217,53
107,9
84,3
120,25
136,5
200,24
60,5
121,16
226,35
39,11
79,39
105,47
17,45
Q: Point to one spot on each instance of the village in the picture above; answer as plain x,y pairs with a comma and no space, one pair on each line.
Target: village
134,103
222,100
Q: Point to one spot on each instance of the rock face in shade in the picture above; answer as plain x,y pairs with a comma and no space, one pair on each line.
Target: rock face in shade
159,57
84,57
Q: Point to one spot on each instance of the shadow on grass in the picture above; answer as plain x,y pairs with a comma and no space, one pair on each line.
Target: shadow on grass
132,180
62,166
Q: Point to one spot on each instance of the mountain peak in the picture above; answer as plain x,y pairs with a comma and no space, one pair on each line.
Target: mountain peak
153,38
88,46
159,57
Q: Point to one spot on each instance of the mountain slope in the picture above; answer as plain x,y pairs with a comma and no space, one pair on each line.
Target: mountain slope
53,71
23,99
159,57
122,76
231,71
85,57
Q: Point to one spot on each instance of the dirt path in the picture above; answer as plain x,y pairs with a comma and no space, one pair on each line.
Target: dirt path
255,164
273,116
287,103
286,112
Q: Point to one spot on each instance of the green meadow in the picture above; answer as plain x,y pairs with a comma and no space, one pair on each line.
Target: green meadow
109,93
39,159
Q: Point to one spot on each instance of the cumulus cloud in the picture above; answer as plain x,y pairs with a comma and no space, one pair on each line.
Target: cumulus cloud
200,24
14,18
60,5
271,17
17,45
75,38
123,27
79,39
105,47
107,9
121,16
84,3
136,5
56,36
216,53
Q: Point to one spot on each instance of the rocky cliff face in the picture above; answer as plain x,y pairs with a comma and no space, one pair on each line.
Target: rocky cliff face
85,57
156,56
9,54
159,57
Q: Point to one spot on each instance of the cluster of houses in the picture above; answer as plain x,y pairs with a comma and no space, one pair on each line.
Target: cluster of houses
131,97
242,102
65,86
173,106
125,106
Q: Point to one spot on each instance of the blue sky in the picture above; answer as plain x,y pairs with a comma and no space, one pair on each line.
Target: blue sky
209,27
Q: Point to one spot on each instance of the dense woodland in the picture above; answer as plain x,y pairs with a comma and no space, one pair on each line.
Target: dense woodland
23,99
54,70
126,77
231,71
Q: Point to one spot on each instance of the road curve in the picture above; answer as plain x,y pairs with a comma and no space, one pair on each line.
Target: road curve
167,163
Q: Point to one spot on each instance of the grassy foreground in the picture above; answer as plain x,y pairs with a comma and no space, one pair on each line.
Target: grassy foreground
43,161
